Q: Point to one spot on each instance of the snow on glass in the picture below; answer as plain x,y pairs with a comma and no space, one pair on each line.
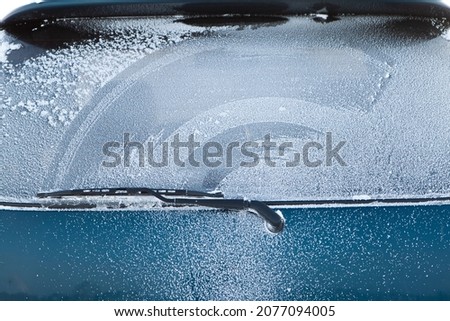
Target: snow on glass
371,81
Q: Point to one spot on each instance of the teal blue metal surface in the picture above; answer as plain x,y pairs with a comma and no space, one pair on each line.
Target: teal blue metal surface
366,253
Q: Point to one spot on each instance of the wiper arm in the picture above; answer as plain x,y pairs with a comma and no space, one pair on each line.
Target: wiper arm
274,221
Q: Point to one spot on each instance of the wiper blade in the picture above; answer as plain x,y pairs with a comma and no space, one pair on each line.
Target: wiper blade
274,220
158,193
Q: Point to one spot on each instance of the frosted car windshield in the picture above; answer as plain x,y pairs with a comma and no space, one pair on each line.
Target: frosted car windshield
331,126
324,110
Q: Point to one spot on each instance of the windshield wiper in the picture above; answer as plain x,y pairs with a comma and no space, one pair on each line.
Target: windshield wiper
274,221
131,191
